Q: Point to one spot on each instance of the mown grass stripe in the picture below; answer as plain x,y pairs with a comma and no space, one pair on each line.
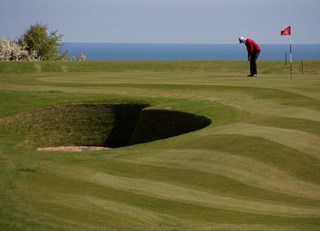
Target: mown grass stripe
288,123
200,157
295,140
202,180
275,154
180,214
173,192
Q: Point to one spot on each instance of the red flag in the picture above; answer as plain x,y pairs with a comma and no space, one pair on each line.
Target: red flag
286,31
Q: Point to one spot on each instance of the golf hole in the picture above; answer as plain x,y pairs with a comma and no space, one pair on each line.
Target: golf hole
85,127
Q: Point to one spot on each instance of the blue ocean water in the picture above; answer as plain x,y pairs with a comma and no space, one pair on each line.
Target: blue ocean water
140,51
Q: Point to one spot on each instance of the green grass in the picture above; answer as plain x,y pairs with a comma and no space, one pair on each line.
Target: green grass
255,167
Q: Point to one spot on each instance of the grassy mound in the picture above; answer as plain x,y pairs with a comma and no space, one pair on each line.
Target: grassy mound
108,125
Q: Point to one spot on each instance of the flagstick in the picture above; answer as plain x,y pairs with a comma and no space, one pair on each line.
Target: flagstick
290,59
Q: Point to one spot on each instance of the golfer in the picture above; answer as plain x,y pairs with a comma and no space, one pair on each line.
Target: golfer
253,53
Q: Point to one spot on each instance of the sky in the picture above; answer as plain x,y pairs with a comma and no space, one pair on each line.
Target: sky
165,21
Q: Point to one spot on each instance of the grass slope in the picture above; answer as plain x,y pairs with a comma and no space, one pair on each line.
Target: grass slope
255,167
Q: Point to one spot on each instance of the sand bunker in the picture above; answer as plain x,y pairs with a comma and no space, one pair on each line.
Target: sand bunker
72,148
94,127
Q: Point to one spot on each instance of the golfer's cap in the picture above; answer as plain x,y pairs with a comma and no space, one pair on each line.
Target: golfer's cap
242,39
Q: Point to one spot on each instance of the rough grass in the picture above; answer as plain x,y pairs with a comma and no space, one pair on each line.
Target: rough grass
255,167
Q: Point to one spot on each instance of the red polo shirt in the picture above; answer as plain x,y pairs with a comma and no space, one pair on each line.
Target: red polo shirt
252,46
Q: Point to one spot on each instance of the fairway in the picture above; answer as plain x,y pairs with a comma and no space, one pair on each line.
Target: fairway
254,167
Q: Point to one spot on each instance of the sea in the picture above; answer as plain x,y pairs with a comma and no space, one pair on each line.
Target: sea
170,52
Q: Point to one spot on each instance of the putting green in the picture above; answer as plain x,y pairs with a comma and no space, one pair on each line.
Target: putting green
255,167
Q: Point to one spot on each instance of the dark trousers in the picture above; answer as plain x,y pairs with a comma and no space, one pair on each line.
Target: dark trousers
253,64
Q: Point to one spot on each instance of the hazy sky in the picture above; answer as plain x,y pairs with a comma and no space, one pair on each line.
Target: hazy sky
165,21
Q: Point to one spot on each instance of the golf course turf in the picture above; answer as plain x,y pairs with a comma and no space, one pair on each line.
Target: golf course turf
238,153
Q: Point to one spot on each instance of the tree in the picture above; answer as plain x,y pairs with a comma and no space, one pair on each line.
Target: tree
45,46
11,51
